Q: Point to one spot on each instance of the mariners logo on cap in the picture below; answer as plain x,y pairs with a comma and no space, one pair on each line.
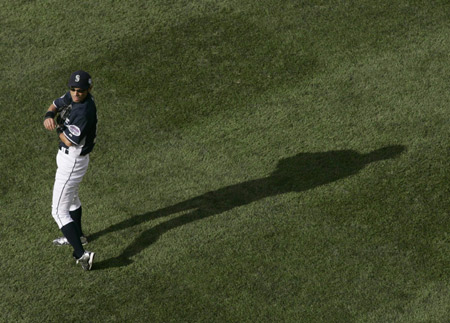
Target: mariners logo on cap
80,79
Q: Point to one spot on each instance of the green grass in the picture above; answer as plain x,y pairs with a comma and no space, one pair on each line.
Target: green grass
239,174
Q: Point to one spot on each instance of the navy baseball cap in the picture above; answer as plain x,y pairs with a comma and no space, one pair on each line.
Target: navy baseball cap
80,79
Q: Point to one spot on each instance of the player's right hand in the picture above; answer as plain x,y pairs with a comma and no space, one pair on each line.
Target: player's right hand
49,124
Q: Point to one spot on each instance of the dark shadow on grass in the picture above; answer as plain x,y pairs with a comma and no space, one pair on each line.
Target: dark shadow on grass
299,173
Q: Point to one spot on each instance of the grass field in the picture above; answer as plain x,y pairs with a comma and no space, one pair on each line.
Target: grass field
256,161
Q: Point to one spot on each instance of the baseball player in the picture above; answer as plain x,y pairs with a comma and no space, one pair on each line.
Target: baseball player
76,126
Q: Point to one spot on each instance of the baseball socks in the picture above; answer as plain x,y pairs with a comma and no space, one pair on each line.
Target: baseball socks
76,217
70,231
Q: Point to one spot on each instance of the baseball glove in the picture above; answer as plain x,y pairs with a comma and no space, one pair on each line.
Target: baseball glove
63,114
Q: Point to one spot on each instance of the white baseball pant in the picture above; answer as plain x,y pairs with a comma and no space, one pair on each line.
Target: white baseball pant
70,172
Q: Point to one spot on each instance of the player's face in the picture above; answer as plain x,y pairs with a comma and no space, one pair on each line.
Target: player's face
77,94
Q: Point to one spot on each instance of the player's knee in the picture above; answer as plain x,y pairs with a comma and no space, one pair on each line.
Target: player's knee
76,204
61,218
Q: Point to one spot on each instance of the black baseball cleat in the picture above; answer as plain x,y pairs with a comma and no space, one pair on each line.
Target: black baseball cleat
86,260
62,241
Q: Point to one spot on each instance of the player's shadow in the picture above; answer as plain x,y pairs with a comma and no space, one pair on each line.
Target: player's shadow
299,173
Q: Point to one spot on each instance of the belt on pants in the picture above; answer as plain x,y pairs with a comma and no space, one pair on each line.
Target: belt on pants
65,150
